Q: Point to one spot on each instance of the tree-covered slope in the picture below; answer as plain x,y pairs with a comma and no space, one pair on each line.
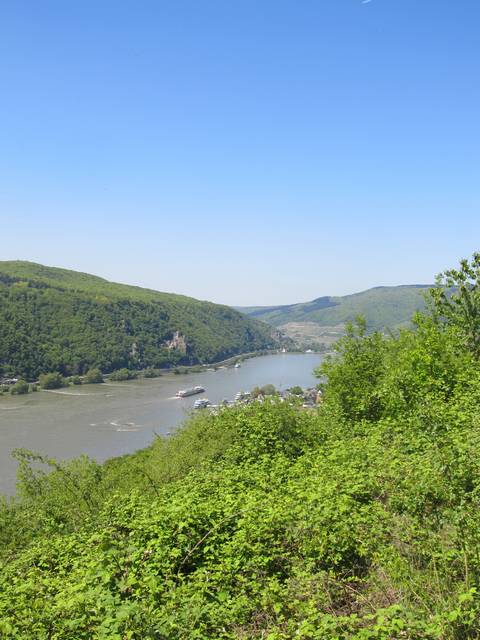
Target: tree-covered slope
381,307
58,320
358,521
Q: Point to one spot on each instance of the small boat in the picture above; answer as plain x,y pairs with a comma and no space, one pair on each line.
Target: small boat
201,403
242,395
238,365
184,393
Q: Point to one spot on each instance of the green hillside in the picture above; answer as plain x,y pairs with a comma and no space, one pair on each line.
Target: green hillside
381,307
358,520
58,320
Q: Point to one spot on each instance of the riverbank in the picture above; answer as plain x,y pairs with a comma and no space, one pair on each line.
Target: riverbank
17,386
232,361
20,387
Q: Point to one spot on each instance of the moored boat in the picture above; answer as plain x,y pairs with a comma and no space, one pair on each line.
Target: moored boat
242,395
201,403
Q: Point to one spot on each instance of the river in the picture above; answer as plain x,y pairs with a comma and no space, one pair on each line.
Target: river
112,419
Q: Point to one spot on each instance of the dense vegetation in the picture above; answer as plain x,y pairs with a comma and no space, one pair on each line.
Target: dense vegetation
58,320
358,520
381,307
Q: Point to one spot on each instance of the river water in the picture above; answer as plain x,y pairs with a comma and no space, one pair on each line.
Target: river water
112,419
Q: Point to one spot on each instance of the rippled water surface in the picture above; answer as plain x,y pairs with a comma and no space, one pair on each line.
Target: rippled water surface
120,417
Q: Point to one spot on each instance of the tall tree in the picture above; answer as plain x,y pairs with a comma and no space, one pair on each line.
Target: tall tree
455,300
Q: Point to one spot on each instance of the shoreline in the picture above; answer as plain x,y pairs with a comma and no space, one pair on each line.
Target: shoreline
231,361
179,369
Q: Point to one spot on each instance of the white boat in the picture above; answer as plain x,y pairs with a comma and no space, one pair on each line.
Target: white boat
184,393
238,365
242,395
201,403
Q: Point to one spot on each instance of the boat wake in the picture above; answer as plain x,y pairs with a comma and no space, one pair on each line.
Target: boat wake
114,384
69,393
125,426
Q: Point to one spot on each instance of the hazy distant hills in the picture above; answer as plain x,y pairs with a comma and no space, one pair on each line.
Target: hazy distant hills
322,320
58,320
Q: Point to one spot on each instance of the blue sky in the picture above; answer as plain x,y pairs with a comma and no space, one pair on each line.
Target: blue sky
242,151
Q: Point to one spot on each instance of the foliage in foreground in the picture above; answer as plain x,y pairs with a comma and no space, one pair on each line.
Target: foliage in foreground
361,520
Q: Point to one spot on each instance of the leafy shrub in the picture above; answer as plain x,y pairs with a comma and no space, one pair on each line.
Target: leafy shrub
122,374
296,391
152,373
51,381
93,376
19,388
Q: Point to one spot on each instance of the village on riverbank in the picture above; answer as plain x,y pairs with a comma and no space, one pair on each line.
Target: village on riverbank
307,398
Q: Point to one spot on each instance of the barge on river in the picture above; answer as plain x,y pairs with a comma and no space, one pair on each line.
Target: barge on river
184,393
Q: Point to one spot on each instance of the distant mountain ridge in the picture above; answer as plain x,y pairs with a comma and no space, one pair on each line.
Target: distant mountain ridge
53,319
382,306
322,320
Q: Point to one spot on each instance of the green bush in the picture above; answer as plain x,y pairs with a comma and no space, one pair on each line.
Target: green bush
152,373
122,374
51,381
93,376
296,391
19,388
266,390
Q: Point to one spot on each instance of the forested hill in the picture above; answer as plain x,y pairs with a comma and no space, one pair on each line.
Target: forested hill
381,307
58,320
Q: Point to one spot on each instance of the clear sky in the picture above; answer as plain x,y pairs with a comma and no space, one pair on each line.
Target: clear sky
241,151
